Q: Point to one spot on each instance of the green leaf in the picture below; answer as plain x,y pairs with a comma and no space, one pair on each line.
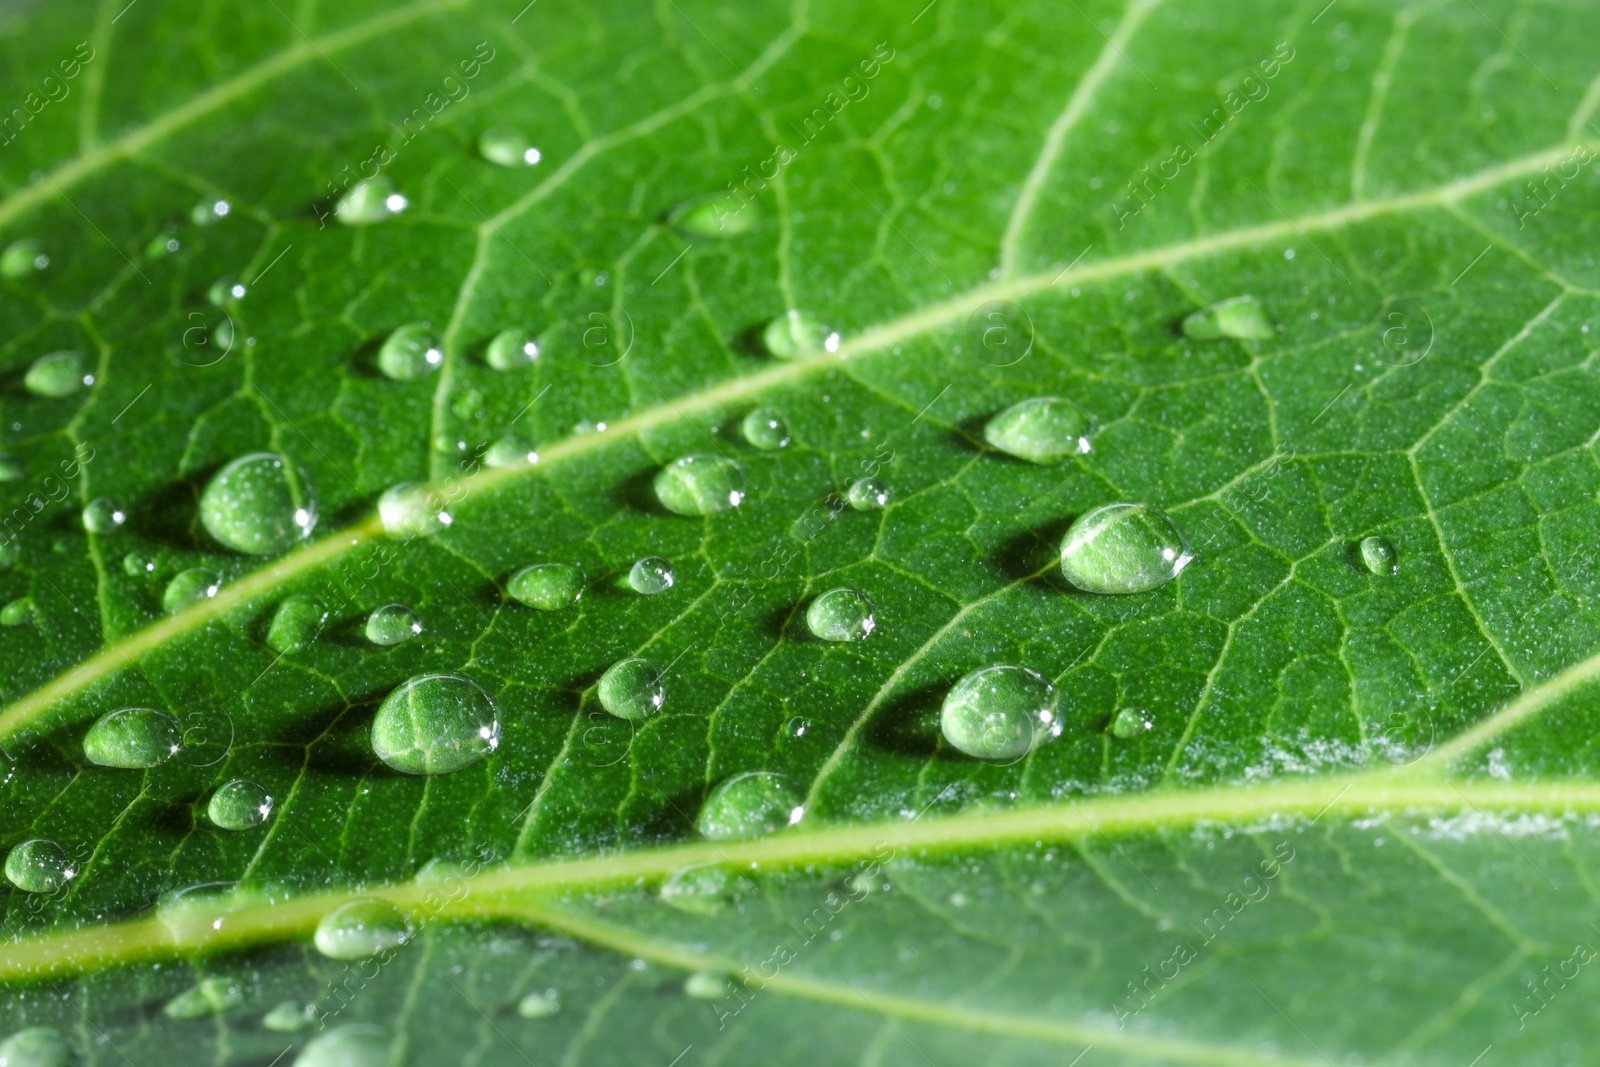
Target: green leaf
1318,274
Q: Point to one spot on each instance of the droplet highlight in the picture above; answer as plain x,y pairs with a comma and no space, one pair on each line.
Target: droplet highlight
1123,548
351,1045
37,1046
632,689
510,451
22,258
511,349
17,612
260,504
133,738
435,724
717,215
1041,430
360,929
701,484
703,889
749,805
539,1005
1000,713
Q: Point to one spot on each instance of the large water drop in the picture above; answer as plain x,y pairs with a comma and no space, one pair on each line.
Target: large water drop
1041,430
56,375
632,689
701,484
651,575
392,624
412,351
1378,556
547,586
435,724
39,866
508,147
188,588
296,624
412,509
260,504
133,738
1000,713
841,615
239,805
1123,548
360,929
351,1045
765,429
369,201
749,805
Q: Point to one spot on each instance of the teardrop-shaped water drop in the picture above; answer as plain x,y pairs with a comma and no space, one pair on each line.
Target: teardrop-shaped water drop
56,374
511,349
703,889
1123,548
1241,318
1132,722
188,588
22,258
1045,429
651,575
866,494
225,290
360,929
392,624
209,212
290,1017
102,515
211,996
11,467
717,215
507,147
510,451
708,985
410,352
765,429
260,504
540,1004
133,738
296,624
351,1045
798,333
39,866
841,615
1000,713
547,586
749,805
1378,556
435,724
701,484
632,689
17,612
239,805
412,509
37,1046
369,201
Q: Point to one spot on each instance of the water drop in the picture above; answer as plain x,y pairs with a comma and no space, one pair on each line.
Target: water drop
796,727
749,805
1041,430
296,624
392,624
508,147
438,871
103,515
188,588
11,468
351,1045
700,484
1000,713
290,1017
412,351
260,504
841,615
133,738
511,451
708,985
547,586
435,724
412,509
239,805
39,866
9,551
865,494
703,889
631,689
17,612
212,996
717,215
1123,548
225,290
22,258
56,375
539,1005
511,349
765,429
798,333
651,575
37,1046
138,565
207,212
369,201
360,929
467,405
1378,556
1131,722
1241,318
162,244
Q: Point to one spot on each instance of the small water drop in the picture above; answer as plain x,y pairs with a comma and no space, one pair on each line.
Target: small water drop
260,504
212,996
765,429
702,889
39,866
632,689
749,805
1378,556
56,375
188,588
37,1046
360,929
369,201
511,349
539,1005
102,515
547,586
392,624
17,612
296,624
162,244
700,484
1041,430
1241,318
841,615
508,147
239,805
1131,722
351,1045
796,727
717,215
11,467
865,494
798,333
138,565
412,509
511,451
133,738
209,212
410,352
435,724
708,985
468,404
290,1017
1123,548
1000,713
651,575
22,258
225,290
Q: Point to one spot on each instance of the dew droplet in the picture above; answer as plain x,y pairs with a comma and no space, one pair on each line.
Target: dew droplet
133,738
796,727
1241,318
212,996
717,215
225,290
841,615
360,929
1041,430
866,494
1131,722
1123,548
412,509
210,211
369,201
102,515
511,349
22,258
1378,556
700,484
798,333
703,889
547,586
708,985
435,724
56,375
511,451
39,866
9,551
508,147
188,588
765,429
651,575
11,467
37,1046
296,624
392,624
410,352
539,1005
290,1017
17,612
749,805
632,689
138,565
260,504
161,245
1000,713
239,805
351,1045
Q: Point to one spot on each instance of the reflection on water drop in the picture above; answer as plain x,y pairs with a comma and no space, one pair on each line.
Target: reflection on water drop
225,290
360,929
133,738
207,212
841,615
369,201
39,866
1041,430
260,504
1123,548
796,727
651,575
435,724
17,612
1000,713
511,349
632,689
1241,318
708,985
749,805
701,484
188,588
798,333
